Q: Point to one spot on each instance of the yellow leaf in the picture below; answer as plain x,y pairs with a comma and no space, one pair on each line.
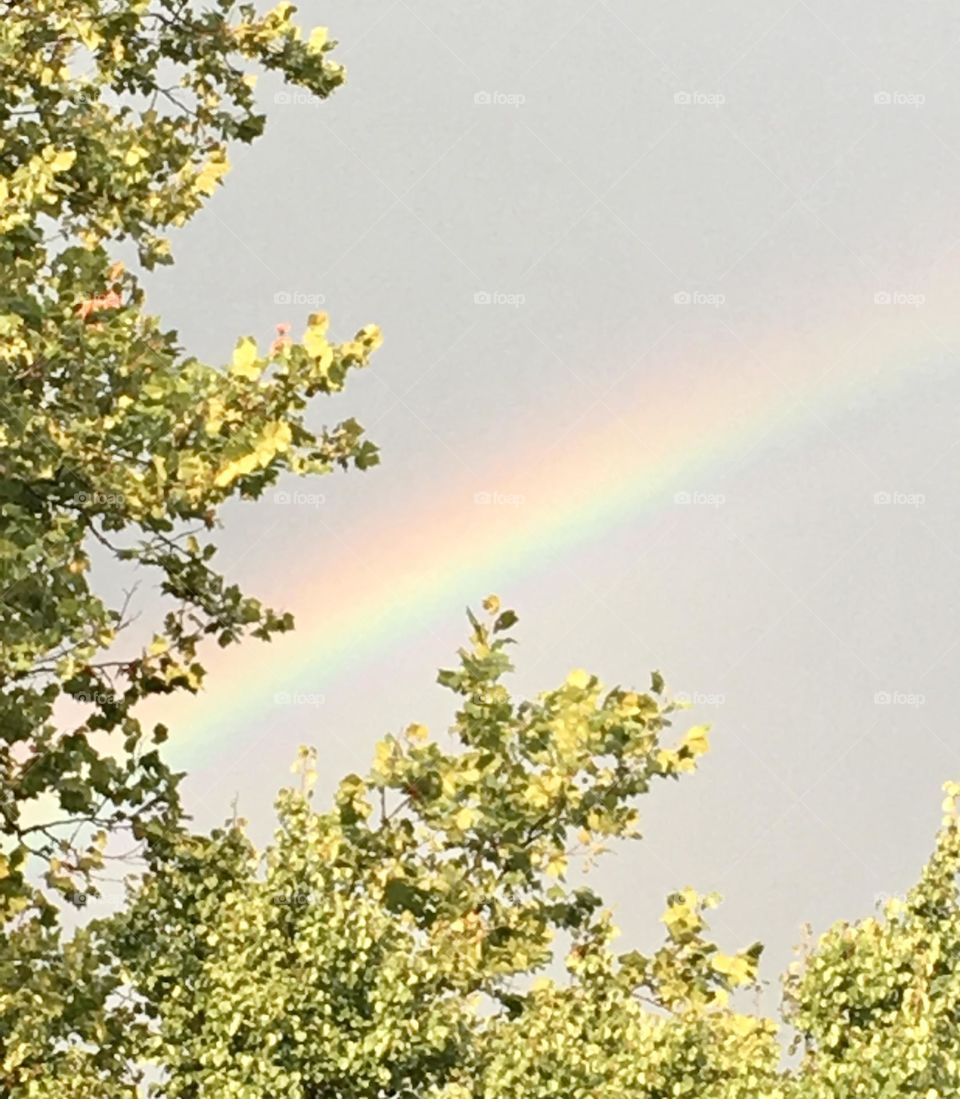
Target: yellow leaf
370,336
696,740
245,360
465,818
556,866
88,35
232,470
212,172
383,756
318,39
543,789
275,439
579,678
320,321
283,11
742,1025
63,160
737,970
491,604
895,907
629,703
216,411
315,341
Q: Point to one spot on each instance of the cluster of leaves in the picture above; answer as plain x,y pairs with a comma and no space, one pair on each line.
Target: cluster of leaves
115,120
383,947
424,936
877,1005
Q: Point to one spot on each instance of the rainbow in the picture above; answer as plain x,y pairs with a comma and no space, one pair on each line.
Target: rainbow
473,535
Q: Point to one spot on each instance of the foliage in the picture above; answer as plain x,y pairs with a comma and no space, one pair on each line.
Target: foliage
116,121
426,934
429,935
877,1004
384,946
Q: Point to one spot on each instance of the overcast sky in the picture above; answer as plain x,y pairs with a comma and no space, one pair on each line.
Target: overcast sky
567,215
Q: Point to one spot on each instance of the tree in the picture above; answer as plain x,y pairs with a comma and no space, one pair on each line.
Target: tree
877,1005
424,936
116,124
116,121
384,946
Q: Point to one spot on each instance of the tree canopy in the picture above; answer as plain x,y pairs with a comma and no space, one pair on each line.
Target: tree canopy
115,125
116,122
428,934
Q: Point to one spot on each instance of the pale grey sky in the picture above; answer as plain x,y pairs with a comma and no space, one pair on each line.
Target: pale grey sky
791,167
